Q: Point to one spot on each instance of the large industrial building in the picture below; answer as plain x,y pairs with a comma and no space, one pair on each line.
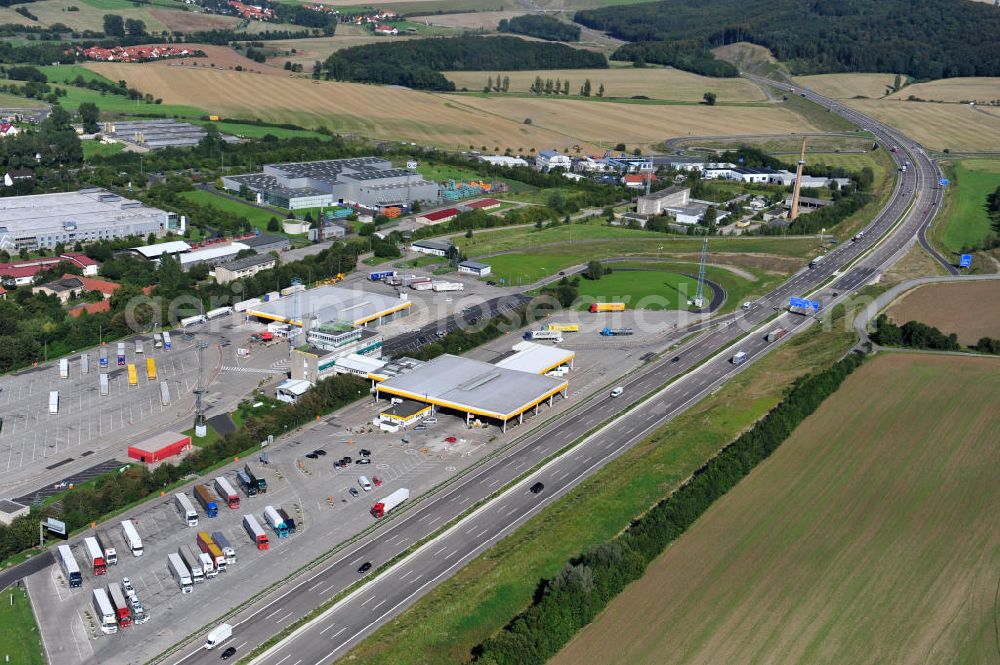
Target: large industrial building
332,305
46,220
368,181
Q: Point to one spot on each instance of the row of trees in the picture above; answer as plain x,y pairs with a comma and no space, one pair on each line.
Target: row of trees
116,26
117,490
917,335
846,36
571,599
542,26
418,63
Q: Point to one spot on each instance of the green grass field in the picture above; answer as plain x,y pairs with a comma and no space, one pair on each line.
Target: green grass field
257,217
444,626
98,149
967,223
641,289
869,536
20,641
118,104
63,73
256,131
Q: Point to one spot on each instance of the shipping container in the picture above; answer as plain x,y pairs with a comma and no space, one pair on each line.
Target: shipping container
69,567
207,545
185,509
104,611
122,612
131,536
64,368
150,369
225,490
563,327
244,305
166,340
164,393
257,535
447,286
96,555
607,307
53,401
179,571
544,334
207,501
133,375
121,354
379,275
422,286
105,385
272,296
218,312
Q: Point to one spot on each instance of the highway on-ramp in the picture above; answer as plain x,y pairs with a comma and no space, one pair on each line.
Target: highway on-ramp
691,372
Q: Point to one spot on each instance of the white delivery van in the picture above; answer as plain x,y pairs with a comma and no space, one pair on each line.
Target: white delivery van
366,484
218,635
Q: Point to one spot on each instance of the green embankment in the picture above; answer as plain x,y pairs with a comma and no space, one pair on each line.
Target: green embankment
20,641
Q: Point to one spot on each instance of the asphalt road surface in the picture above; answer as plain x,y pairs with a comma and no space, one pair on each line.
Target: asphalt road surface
328,637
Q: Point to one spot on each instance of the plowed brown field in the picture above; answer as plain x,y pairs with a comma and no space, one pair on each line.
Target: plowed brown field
970,310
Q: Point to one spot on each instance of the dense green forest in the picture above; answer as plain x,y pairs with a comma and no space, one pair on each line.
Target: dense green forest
419,63
542,26
823,35
688,55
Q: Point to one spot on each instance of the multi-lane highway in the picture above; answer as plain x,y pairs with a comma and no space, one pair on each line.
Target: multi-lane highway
702,365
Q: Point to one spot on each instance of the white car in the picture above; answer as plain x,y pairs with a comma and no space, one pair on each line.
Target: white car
616,392
127,585
747,305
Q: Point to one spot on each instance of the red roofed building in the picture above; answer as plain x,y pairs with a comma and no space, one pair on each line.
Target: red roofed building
23,272
386,30
638,180
483,204
438,216
91,308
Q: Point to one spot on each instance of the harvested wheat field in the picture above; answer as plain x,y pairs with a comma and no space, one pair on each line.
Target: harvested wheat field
383,112
970,310
216,57
869,536
846,86
311,49
634,124
657,83
958,127
181,21
982,88
486,20
85,17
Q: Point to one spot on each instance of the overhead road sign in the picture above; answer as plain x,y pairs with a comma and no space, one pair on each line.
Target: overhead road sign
965,261
803,303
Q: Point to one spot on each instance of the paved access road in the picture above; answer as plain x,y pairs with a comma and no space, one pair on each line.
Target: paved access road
330,636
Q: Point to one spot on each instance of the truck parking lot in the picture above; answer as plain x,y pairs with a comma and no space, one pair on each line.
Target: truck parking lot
315,494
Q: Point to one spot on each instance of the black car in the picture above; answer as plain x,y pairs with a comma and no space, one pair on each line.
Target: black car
337,464
536,488
488,283
228,653
675,359
353,491
364,460
321,453
364,452
365,567
312,455
346,459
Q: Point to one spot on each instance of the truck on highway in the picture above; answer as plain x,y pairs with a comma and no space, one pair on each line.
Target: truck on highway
739,358
104,612
207,545
69,567
53,401
225,490
180,572
96,555
166,340
248,486
193,564
207,501
607,307
257,535
64,368
185,509
122,612
390,502
218,635
775,335
208,564
121,354
227,549
553,335
380,275
110,554
131,537
617,332
259,482
274,519
818,260
103,356
563,327
287,519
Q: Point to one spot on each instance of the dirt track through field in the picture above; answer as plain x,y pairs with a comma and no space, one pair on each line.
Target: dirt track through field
870,536
970,310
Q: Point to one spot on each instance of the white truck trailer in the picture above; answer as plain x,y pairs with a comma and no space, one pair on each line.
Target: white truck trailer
185,509
180,572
